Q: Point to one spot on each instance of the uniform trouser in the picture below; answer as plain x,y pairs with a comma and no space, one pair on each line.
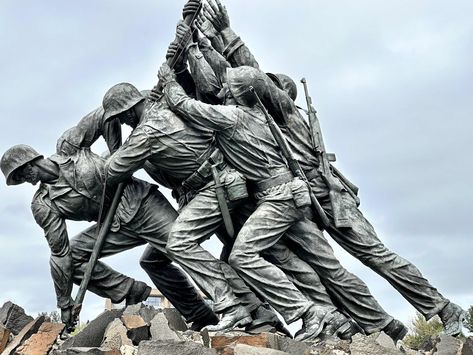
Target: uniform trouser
263,229
297,271
362,242
197,222
151,225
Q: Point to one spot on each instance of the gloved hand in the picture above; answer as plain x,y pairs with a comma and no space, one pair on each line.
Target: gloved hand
166,75
155,94
190,8
206,27
217,14
67,319
177,49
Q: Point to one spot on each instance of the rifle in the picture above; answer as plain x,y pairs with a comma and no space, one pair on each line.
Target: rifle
102,231
188,20
336,188
292,162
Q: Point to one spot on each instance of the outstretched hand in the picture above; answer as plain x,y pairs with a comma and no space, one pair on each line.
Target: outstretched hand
206,27
217,14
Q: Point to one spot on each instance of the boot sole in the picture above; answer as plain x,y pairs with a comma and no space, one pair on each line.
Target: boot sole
238,324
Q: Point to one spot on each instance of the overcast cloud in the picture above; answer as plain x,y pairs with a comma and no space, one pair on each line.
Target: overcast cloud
392,81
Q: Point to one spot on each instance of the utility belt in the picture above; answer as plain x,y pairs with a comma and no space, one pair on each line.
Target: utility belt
299,189
272,181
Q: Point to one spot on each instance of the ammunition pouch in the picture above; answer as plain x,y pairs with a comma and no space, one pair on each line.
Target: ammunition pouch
300,193
235,186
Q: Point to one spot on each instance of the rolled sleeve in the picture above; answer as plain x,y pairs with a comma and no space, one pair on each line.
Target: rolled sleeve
130,157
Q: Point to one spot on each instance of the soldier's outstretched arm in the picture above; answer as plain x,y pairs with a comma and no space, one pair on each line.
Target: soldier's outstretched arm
235,50
130,157
54,227
214,117
87,131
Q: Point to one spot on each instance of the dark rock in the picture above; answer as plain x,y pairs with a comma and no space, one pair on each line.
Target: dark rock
367,345
292,346
428,344
42,341
175,320
447,345
137,328
89,351
148,313
159,347
13,317
160,329
467,347
92,335
27,331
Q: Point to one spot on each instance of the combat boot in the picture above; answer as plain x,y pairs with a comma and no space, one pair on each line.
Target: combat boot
138,293
266,321
339,326
210,319
236,317
396,330
313,321
453,317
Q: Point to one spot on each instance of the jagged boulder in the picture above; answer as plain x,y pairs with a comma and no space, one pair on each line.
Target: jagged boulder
27,331
116,336
41,342
13,317
137,328
160,347
160,329
92,335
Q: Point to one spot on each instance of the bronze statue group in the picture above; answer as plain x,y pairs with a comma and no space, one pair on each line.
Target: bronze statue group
244,164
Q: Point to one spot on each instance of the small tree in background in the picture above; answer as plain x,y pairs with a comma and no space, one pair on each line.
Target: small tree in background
422,330
53,316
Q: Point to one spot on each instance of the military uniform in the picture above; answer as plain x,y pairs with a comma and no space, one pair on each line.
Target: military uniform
143,216
360,240
165,145
247,144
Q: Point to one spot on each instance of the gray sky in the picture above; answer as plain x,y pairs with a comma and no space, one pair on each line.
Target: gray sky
392,81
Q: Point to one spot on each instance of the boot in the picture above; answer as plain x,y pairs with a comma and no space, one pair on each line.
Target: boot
396,330
237,316
266,321
313,321
200,323
453,317
138,293
339,326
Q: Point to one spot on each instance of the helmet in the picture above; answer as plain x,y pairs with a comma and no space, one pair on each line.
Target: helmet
239,81
285,83
120,98
15,158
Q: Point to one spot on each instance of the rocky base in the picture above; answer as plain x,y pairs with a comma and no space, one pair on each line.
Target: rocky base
142,330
